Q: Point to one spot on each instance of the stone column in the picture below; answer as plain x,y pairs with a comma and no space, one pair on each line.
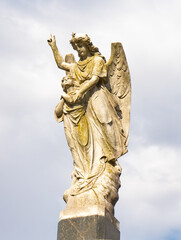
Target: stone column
97,225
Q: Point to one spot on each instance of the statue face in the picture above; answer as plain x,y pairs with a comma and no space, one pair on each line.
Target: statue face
82,50
66,83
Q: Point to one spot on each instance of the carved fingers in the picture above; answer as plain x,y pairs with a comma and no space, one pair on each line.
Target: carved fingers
51,41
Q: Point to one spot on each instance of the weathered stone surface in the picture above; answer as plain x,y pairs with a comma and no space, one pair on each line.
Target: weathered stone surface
87,228
93,210
95,109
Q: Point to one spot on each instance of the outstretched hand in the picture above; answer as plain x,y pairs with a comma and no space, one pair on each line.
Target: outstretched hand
51,41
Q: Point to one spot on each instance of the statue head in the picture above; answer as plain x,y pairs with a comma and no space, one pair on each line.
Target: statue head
83,40
67,82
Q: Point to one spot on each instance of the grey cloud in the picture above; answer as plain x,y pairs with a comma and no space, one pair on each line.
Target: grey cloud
35,160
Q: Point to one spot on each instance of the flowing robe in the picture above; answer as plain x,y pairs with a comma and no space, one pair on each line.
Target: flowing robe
93,127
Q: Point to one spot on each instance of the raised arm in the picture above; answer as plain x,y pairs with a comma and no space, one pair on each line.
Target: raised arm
58,58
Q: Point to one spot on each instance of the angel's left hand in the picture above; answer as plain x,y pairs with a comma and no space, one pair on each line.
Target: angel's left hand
78,96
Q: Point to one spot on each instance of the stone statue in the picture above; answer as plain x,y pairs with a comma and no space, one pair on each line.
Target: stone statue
95,109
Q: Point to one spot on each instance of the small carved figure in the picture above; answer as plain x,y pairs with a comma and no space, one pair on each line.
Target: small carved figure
95,108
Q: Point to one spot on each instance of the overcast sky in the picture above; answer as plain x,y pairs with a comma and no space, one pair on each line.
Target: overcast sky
36,164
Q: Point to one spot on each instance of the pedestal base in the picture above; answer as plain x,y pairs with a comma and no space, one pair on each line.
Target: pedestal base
87,228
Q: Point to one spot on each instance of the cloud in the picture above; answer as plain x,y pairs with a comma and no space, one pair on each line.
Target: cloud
35,160
150,197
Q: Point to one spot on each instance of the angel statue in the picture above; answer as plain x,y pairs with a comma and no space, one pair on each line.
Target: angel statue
95,109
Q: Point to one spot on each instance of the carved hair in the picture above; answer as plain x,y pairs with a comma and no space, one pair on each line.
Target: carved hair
85,39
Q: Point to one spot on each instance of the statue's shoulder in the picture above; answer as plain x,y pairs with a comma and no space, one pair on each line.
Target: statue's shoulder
99,59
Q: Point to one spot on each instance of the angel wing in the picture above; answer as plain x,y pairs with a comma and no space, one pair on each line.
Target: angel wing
119,83
69,58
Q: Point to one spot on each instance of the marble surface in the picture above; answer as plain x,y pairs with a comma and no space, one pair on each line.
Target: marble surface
87,228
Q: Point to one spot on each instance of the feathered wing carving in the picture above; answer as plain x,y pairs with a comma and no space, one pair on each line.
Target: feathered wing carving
119,83
69,58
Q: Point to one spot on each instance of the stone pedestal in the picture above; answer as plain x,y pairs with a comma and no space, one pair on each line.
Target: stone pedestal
88,228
